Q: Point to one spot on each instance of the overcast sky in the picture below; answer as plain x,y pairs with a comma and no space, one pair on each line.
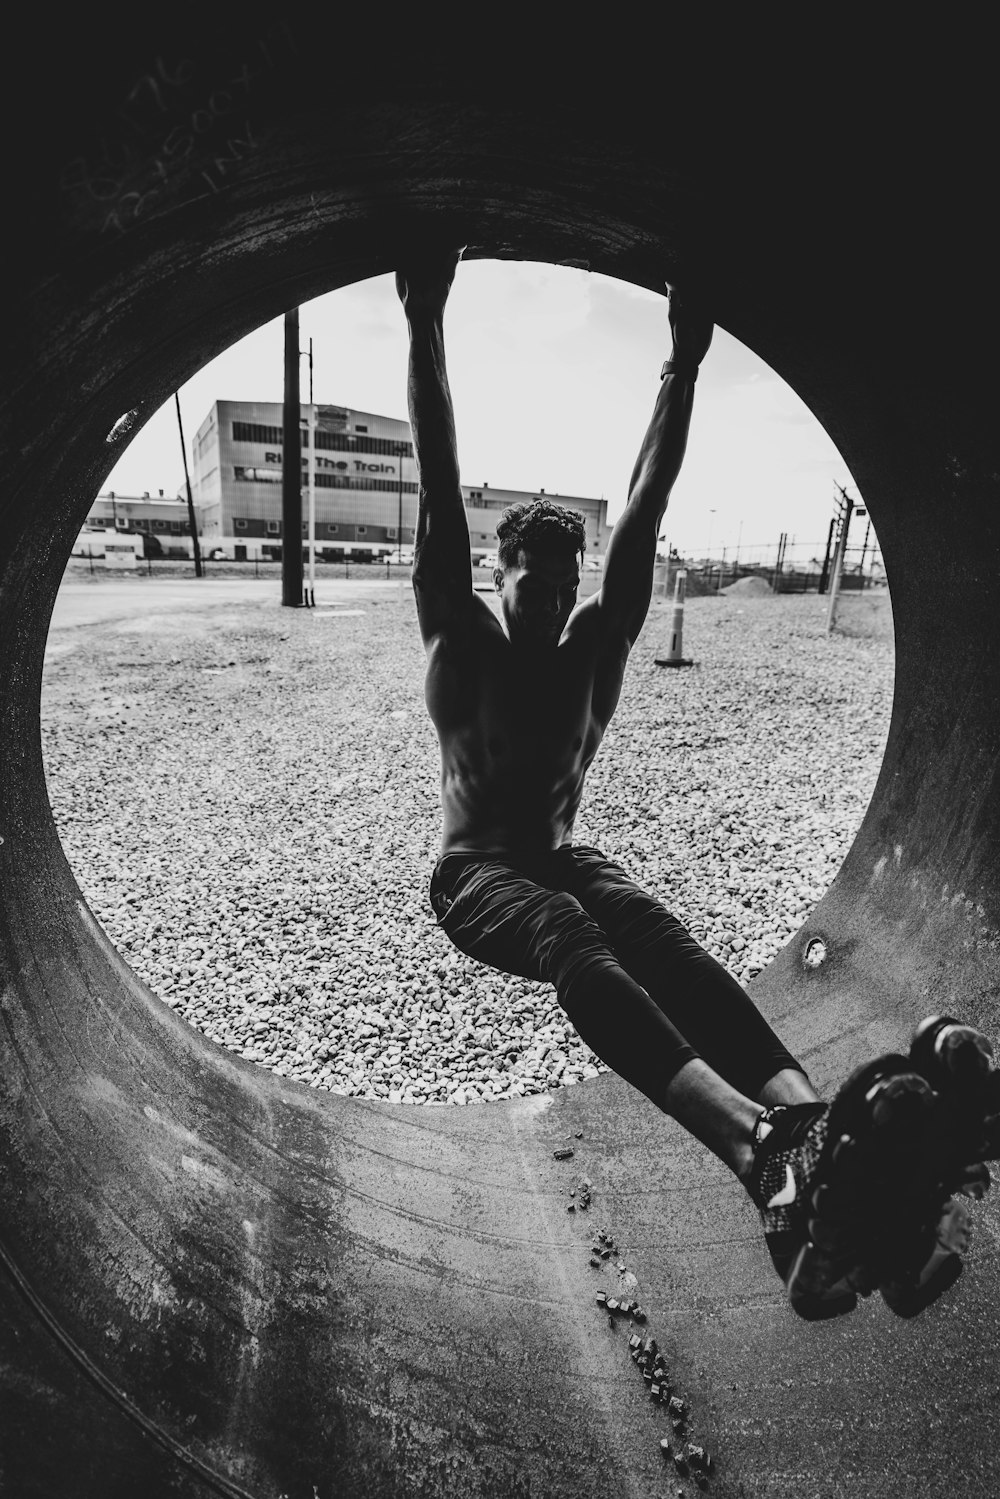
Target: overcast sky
554,373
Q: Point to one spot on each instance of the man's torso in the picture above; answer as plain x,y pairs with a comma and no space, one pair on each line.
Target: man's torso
518,731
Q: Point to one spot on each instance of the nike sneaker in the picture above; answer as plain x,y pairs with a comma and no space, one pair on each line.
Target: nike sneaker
957,1061
850,1193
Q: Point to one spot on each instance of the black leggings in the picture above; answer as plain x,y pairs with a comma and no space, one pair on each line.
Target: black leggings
642,993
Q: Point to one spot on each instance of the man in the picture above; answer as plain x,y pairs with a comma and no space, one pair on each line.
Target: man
852,1194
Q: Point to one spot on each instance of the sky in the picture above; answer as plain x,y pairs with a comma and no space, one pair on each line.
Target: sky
553,373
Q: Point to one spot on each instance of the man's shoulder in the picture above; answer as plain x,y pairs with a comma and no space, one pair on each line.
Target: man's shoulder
592,629
469,632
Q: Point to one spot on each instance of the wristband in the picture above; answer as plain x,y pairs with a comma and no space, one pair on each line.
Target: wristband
678,367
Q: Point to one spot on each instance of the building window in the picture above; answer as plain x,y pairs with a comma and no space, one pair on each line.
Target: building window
348,481
360,429
274,528
475,494
350,442
362,530
254,432
240,524
332,530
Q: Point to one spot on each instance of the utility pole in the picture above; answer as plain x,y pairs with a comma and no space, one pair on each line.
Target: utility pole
312,424
847,505
399,523
310,597
291,471
198,569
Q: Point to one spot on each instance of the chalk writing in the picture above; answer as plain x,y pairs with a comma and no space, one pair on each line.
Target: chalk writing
183,137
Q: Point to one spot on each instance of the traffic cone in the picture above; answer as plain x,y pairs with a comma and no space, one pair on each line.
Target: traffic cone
675,654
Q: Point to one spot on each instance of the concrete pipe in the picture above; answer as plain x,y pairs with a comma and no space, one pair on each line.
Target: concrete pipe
215,1282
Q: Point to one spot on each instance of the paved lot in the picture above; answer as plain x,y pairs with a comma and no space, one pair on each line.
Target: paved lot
87,603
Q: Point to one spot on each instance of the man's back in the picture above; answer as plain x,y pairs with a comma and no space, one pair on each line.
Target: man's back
518,728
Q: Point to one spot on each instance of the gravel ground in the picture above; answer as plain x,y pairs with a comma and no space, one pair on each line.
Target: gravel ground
249,799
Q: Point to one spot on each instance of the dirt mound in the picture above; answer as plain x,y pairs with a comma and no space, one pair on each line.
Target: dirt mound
754,588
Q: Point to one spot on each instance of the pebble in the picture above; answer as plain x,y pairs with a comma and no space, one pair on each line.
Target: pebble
258,841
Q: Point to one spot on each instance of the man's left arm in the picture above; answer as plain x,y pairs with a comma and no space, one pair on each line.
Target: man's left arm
628,567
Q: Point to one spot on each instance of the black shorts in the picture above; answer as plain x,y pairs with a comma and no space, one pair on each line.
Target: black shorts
640,990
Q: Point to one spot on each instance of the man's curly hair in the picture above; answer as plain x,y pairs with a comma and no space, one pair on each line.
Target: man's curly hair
539,525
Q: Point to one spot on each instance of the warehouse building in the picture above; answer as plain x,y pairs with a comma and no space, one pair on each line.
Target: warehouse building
161,518
364,474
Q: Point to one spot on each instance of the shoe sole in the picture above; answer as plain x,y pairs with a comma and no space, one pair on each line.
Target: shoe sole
877,1195
957,1061
942,1266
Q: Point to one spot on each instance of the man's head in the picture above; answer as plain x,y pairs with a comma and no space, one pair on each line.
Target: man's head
538,572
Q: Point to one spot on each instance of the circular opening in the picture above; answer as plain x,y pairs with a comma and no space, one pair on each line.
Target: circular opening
249,794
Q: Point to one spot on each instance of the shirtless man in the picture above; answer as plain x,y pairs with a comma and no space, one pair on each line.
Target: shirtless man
520,708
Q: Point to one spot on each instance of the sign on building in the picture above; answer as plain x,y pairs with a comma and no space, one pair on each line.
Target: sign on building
119,552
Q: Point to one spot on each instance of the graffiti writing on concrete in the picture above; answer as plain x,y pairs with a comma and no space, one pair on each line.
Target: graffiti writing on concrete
177,135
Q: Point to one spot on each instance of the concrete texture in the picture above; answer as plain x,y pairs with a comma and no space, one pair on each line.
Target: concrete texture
217,1283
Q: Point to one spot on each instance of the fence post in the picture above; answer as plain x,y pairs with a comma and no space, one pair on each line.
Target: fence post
838,564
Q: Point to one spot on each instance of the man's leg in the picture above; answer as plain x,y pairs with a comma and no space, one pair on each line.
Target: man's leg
498,913
716,1014
701,998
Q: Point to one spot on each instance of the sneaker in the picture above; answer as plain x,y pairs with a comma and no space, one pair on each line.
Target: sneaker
957,1061
849,1192
789,1144
939,1263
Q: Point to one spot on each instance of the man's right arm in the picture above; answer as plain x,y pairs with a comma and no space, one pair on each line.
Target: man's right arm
442,562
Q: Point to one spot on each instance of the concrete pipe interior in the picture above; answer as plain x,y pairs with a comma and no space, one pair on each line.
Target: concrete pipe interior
217,1282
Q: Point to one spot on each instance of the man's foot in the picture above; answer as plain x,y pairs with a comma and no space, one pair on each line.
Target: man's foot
957,1061
939,1263
789,1146
851,1194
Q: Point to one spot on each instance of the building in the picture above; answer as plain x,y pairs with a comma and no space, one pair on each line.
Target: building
161,521
365,485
